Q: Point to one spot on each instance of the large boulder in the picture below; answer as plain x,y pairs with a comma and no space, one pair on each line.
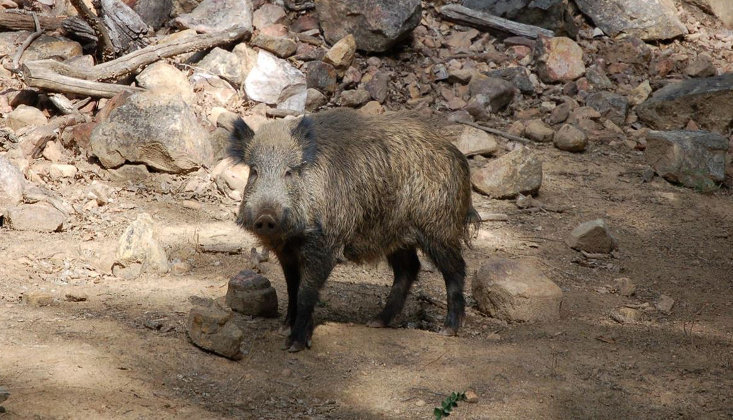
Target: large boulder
695,159
517,172
159,131
708,101
649,20
276,81
377,25
516,291
722,9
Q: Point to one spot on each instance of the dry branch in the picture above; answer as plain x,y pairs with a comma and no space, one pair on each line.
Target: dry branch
108,50
72,26
481,20
60,77
498,132
27,43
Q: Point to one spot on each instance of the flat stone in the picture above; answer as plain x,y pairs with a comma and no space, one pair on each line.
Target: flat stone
472,141
139,251
37,217
321,76
559,59
517,172
281,46
354,98
60,170
649,20
378,86
212,328
515,291
708,101
372,108
314,100
626,315
520,77
341,54
38,299
251,294
592,237
267,14
161,132
610,105
539,131
624,286
224,64
695,159
24,116
134,173
701,66
570,139
376,25
218,91
212,16
46,46
664,304
276,81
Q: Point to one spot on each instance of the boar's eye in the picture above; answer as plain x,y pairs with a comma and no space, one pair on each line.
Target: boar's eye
288,173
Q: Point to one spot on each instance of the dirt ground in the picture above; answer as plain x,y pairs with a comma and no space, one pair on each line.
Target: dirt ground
124,353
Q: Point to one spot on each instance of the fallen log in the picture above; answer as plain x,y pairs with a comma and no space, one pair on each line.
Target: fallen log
60,77
481,20
73,26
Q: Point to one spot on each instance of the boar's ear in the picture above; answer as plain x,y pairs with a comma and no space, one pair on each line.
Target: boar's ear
238,140
305,134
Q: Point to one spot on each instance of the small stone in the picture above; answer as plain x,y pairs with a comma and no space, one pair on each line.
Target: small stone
321,76
139,250
354,98
276,81
440,72
559,114
473,141
49,47
76,297
626,315
314,99
471,396
38,299
515,291
11,184
218,91
53,151
179,267
559,59
286,372
597,77
624,286
491,92
38,217
461,76
378,86
517,172
592,237
610,105
538,131
251,294
134,173
59,170
165,78
230,179
24,116
282,47
701,66
352,76
570,139
267,14
664,304
420,403
372,108
640,93
212,328
214,16
224,64
341,54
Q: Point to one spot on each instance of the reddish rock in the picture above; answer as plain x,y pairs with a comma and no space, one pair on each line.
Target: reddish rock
559,59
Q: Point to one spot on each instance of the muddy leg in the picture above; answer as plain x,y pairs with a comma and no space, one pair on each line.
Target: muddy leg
405,266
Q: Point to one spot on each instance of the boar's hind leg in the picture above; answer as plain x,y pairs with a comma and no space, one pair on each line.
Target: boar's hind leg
449,261
316,263
405,266
289,262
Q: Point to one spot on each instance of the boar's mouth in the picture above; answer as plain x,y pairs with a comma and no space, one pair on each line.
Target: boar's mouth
267,223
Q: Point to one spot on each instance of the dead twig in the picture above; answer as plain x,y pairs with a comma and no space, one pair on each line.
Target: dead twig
498,132
26,44
108,50
481,20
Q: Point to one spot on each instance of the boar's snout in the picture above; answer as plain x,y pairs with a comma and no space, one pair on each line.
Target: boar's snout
266,224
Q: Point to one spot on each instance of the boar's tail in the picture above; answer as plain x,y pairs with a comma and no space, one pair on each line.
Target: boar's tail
471,226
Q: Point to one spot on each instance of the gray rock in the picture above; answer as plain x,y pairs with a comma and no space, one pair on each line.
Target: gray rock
267,14
597,77
538,131
708,101
722,9
626,315
559,114
165,78
224,64
378,86
354,98
11,185
701,66
46,46
4,394
218,15
276,81
570,139
212,328
559,59
517,172
549,14
593,237
496,93
161,132
516,291
664,304
376,25
134,173
37,217
139,251
24,116
215,89
281,46
314,100
649,20
251,294
321,76
518,76
624,286
610,105
695,159
473,141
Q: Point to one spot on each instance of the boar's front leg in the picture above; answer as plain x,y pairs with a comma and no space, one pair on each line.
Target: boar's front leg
316,262
288,258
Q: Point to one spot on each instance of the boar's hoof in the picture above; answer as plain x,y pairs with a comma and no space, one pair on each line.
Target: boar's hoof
376,323
284,331
448,331
298,346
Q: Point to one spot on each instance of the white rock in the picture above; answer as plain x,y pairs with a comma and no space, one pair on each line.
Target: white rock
11,185
139,250
276,81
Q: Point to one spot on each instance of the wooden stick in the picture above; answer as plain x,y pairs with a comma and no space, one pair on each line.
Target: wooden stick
16,21
481,20
35,74
108,50
498,132
27,43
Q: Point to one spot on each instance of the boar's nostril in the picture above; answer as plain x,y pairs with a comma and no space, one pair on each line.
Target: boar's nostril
265,224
